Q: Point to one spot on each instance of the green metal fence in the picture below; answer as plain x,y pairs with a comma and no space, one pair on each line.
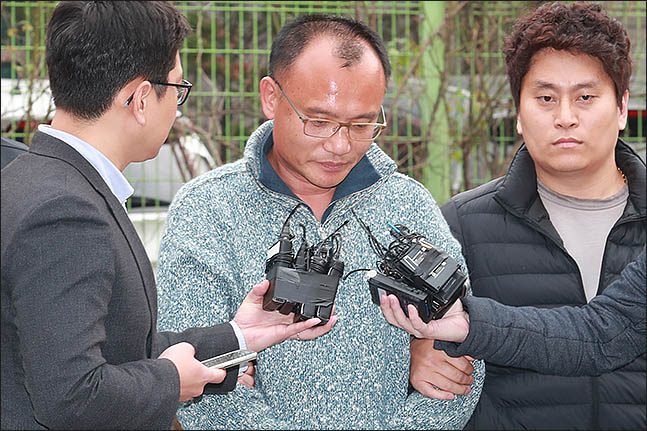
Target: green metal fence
450,114
482,120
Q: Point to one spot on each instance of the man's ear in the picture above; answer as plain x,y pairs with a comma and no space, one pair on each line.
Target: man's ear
519,128
623,111
269,96
140,101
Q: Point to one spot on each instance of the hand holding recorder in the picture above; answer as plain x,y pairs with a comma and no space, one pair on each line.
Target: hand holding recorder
261,330
453,326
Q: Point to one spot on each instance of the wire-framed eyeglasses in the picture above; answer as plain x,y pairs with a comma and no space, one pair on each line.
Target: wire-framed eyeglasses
323,128
182,89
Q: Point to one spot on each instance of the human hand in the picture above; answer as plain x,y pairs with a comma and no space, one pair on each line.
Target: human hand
247,378
453,326
193,375
263,329
435,374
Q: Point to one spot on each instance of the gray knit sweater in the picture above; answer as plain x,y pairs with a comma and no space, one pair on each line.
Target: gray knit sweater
219,228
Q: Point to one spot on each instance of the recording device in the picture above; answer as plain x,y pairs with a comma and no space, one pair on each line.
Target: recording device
305,283
379,284
416,272
230,359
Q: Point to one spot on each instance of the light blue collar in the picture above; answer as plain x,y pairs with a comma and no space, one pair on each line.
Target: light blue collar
113,177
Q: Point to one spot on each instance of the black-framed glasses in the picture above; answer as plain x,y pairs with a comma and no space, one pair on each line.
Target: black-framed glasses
323,128
182,89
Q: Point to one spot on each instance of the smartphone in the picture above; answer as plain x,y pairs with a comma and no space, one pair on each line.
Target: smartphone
230,359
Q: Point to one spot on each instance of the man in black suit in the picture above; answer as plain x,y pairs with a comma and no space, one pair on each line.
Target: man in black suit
80,347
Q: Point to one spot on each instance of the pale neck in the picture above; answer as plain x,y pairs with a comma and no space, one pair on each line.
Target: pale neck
94,133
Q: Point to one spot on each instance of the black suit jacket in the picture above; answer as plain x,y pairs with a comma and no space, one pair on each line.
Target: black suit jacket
79,304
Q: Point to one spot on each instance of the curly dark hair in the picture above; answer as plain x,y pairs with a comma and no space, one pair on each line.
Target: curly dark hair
581,28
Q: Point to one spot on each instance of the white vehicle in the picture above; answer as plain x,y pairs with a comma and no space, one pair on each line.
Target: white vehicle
155,181
18,99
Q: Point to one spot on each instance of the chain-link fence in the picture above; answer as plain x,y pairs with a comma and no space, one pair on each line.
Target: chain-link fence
450,113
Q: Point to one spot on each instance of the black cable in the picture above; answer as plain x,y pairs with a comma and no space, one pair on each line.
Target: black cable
378,248
292,213
355,270
329,236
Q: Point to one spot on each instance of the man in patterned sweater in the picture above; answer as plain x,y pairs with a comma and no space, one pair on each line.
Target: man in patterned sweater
328,77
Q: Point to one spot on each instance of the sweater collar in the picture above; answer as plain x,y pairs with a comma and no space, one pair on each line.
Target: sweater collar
360,177
374,165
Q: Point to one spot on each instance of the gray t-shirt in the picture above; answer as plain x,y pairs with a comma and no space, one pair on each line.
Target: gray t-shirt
584,225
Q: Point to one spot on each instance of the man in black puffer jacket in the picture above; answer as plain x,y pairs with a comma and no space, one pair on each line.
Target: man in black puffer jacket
563,222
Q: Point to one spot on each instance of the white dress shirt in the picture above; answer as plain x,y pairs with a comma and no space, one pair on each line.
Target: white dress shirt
113,177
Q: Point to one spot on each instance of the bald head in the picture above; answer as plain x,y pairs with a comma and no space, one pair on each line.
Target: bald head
352,39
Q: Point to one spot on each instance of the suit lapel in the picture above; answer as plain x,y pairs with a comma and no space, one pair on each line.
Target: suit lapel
49,146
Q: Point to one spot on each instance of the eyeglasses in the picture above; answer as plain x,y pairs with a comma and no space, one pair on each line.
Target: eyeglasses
322,128
182,89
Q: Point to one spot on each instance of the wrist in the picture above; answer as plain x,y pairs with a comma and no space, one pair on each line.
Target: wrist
240,335
466,317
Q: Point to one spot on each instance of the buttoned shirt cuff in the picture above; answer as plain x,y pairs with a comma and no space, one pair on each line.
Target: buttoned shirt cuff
241,344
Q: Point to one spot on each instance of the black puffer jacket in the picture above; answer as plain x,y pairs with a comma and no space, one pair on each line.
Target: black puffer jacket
515,256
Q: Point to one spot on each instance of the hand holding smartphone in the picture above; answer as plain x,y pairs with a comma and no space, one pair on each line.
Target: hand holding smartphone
226,360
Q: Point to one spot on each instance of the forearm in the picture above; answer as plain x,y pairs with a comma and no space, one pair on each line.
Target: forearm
421,412
208,342
565,341
589,340
138,395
